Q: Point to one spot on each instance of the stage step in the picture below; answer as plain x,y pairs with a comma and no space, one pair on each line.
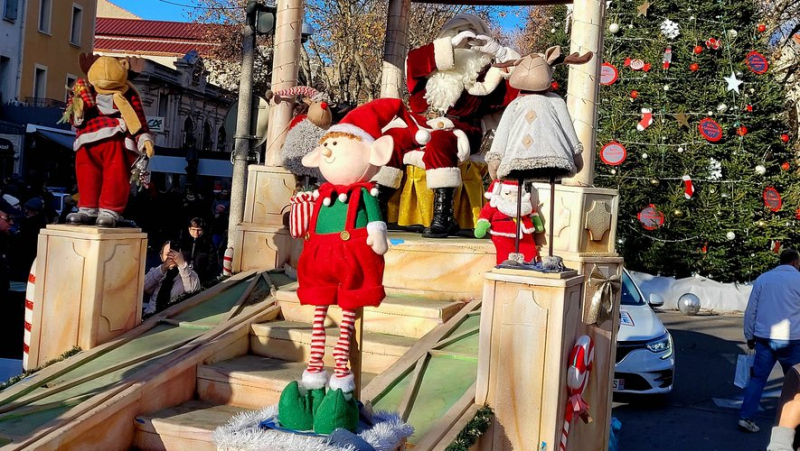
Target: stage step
289,340
250,381
187,426
404,316
443,269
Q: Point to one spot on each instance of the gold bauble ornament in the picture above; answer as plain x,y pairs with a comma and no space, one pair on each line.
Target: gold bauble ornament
761,223
655,182
678,213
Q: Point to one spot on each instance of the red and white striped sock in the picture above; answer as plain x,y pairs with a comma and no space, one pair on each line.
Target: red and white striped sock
341,353
689,187
315,365
647,119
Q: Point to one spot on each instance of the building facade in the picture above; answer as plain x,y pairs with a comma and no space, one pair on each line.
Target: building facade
56,32
12,15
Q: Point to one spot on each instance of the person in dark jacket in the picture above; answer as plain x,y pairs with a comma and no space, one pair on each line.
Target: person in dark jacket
199,251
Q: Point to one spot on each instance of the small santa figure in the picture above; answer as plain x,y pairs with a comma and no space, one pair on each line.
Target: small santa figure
498,218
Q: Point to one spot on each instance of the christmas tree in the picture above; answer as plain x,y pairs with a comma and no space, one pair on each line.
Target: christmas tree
692,133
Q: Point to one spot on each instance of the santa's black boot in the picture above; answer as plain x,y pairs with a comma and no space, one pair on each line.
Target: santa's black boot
384,195
443,223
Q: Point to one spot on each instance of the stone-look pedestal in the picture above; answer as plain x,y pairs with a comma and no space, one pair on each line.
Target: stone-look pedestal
89,288
268,191
264,247
528,328
585,220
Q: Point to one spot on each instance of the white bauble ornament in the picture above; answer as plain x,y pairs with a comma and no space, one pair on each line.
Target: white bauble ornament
613,172
722,108
644,156
761,170
730,236
614,28
680,149
732,34
553,30
666,87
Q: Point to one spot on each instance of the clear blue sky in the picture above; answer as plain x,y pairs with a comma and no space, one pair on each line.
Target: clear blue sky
169,10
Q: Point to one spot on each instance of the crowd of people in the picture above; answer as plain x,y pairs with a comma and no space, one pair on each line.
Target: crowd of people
193,222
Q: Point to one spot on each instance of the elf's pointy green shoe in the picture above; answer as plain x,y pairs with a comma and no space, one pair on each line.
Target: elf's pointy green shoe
295,409
336,412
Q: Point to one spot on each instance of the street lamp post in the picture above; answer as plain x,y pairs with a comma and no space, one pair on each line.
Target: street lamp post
259,17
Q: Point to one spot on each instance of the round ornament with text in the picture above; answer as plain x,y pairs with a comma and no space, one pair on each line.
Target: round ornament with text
710,130
613,153
651,218
772,199
608,74
757,63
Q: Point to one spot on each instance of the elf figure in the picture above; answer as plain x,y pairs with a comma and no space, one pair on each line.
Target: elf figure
342,261
111,132
498,217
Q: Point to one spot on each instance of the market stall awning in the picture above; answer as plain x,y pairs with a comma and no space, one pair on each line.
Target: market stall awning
61,137
177,165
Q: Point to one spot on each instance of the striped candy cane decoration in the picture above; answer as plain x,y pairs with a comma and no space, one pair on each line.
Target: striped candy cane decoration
581,359
29,292
296,91
227,262
302,207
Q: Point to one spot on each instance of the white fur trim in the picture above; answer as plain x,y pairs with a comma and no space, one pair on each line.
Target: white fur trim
103,133
506,235
414,158
346,384
389,177
445,87
130,144
374,192
376,227
326,202
443,178
483,220
422,136
143,138
443,53
353,130
463,145
314,381
343,197
315,194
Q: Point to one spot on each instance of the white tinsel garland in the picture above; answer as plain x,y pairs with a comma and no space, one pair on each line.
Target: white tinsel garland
670,29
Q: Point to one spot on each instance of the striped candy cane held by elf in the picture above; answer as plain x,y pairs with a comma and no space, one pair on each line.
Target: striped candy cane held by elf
227,262
581,359
29,292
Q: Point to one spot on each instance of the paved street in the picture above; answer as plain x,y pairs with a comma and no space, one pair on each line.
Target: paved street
690,419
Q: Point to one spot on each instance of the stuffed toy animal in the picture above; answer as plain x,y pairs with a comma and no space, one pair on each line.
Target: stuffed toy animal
535,138
498,218
305,130
342,261
111,133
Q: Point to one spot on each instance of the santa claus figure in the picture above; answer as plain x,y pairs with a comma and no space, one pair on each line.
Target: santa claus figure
498,218
453,80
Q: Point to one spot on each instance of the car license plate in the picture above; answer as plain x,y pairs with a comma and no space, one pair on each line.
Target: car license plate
619,384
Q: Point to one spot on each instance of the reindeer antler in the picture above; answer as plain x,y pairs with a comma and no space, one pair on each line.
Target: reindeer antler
576,58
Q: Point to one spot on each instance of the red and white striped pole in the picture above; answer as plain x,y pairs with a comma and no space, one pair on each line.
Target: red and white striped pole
227,262
29,295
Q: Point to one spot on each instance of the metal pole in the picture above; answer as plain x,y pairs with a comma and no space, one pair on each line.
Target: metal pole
243,136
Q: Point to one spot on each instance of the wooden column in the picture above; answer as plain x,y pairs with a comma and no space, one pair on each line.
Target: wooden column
395,49
288,35
583,89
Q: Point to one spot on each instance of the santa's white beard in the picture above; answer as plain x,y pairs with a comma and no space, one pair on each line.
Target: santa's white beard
444,88
509,207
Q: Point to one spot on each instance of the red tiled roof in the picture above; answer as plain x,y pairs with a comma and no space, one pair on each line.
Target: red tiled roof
153,28
149,47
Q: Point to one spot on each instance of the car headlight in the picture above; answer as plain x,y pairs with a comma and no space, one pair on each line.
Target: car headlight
661,344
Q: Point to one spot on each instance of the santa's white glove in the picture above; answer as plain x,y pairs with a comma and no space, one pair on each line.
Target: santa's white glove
459,38
490,46
376,237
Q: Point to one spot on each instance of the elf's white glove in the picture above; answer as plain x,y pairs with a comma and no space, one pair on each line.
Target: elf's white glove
376,237
459,38
490,47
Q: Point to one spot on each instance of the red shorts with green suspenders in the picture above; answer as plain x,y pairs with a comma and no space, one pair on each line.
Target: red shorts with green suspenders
340,268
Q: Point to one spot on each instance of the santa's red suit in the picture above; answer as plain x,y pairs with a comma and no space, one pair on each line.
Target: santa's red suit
500,215
106,150
459,131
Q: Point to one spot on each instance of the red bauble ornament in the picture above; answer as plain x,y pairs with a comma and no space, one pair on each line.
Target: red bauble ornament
785,166
797,214
694,67
634,94
762,28
554,85
749,108
741,131
785,138
698,49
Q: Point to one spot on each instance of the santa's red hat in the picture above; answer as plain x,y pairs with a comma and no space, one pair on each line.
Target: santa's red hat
368,120
494,190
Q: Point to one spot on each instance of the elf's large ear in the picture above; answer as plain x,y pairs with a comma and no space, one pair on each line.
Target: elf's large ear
311,160
86,60
553,55
381,151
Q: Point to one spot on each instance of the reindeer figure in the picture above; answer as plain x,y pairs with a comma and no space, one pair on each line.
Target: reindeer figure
305,130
